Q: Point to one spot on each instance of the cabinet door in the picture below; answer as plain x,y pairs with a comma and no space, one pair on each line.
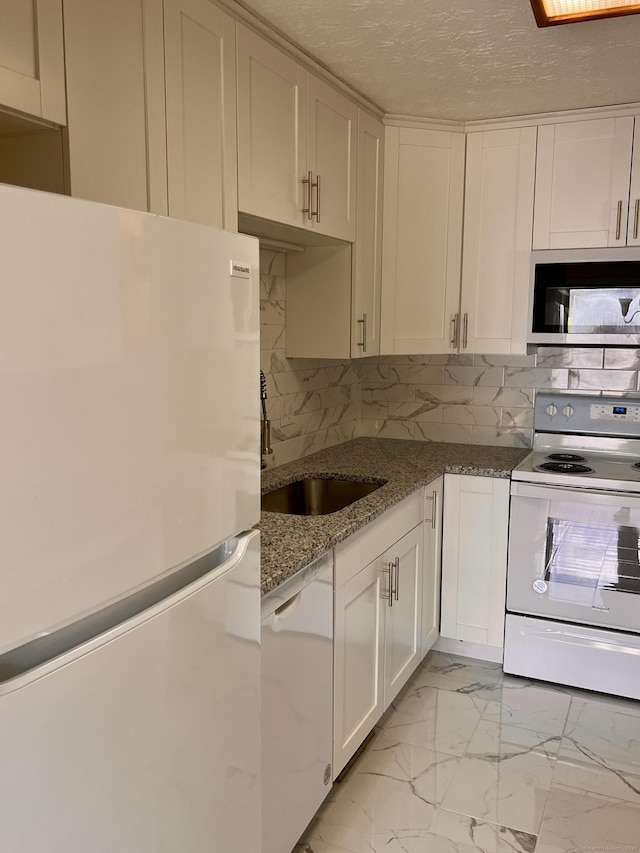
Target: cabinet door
367,251
474,558
332,122
201,113
32,58
498,217
115,101
272,139
358,688
431,565
422,234
402,631
582,184
633,230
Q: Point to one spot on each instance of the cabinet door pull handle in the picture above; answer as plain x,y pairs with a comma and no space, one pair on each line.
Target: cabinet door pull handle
396,564
636,219
390,596
307,183
619,220
363,343
454,330
434,510
465,328
317,212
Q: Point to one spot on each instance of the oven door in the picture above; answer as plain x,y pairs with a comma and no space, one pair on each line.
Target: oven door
574,555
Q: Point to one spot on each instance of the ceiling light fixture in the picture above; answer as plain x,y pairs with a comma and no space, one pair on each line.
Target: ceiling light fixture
551,12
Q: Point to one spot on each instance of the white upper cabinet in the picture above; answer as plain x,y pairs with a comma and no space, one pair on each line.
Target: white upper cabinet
115,95
151,102
422,234
332,122
296,143
32,58
498,216
272,141
367,252
333,291
584,194
200,73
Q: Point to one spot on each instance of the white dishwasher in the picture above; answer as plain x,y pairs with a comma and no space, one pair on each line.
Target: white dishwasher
297,703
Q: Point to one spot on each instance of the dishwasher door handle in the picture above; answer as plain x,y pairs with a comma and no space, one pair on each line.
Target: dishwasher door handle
288,608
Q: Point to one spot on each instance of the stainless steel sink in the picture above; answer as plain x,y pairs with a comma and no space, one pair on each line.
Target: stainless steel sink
314,496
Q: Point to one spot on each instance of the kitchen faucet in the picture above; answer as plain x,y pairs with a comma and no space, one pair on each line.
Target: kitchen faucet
265,426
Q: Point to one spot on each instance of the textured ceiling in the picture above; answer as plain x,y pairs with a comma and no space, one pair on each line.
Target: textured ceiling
464,60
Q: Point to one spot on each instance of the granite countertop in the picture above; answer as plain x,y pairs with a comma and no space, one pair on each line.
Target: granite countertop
290,542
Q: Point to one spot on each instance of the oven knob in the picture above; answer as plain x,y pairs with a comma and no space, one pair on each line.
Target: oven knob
568,411
552,409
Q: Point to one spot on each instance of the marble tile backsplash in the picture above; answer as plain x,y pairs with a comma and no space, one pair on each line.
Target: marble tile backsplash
312,403
471,399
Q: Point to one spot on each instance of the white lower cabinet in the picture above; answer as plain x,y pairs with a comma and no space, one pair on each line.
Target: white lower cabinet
431,565
474,559
377,618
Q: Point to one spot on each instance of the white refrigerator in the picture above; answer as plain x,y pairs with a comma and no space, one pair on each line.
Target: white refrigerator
129,570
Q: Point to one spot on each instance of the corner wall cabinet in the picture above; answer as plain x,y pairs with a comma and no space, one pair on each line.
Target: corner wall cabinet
498,217
474,558
378,597
422,234
32,59
588,184
296,143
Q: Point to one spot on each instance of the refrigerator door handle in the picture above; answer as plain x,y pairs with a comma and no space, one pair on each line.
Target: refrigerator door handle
45,654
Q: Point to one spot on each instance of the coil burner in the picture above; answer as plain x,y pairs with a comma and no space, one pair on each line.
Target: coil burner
565,468
568,457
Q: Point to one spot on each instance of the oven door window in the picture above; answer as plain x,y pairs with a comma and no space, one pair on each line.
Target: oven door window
575,556
593,555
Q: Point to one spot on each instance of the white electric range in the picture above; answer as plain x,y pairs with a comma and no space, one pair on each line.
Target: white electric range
573,575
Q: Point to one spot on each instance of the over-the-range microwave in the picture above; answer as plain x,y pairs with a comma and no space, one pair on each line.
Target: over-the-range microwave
585,296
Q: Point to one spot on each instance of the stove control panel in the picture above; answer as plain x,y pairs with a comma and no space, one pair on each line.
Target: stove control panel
587,414
615,412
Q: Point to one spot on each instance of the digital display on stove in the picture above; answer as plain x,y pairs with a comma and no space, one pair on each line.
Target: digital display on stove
619,410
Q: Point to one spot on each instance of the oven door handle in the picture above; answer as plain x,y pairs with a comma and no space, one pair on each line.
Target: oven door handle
586,494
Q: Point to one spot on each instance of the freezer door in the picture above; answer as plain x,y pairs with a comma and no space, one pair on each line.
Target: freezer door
129,368
145,739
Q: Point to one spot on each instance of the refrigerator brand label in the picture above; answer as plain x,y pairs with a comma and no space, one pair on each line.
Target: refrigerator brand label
540,586
240,270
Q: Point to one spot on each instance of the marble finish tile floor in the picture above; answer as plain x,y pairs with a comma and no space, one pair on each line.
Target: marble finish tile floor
469,760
